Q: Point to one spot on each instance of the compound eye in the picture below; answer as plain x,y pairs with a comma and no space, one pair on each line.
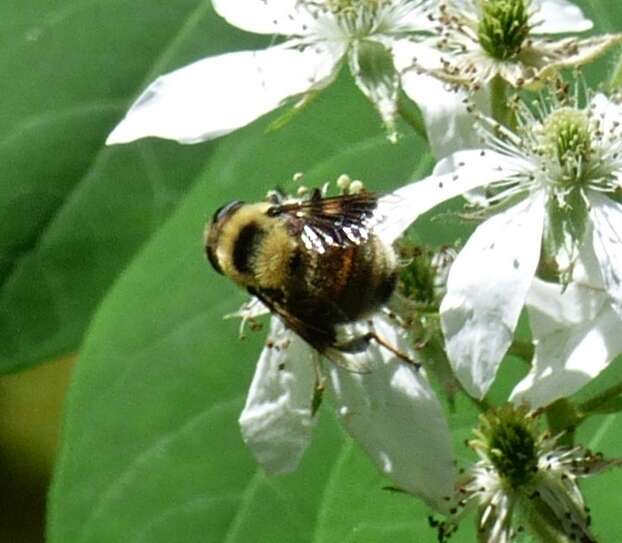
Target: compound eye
224,211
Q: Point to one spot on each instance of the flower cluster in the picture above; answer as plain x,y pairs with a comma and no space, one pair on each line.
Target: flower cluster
538,161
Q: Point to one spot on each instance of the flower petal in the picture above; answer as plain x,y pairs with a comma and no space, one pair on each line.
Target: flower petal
486,291
559,16
607,239
608,113
277,419
217,95
286,17
552,308
409,16
395,417
465,171
443,106
475,162
448,123
569,358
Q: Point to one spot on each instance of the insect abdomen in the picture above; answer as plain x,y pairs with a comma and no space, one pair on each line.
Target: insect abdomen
343,284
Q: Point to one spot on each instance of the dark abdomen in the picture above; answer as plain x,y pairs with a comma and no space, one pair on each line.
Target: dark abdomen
342,285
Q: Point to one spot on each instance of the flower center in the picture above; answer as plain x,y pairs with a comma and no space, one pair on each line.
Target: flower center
567,139
503,27
358,18
511,445
342,7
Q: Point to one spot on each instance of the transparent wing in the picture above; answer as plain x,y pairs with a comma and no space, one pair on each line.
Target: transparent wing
331,222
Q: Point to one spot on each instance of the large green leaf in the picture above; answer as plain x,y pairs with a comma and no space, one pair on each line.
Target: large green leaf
151,448
74,212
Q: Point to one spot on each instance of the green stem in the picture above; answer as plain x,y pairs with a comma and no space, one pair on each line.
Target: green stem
600,399
615,81
563,418
482,405
411,114
501,112
523,350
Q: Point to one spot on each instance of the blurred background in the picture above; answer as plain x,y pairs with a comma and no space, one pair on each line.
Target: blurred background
31,407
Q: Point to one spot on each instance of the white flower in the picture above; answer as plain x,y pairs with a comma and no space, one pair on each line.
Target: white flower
576,334
391,412
512,39
523,481
219,94
554,188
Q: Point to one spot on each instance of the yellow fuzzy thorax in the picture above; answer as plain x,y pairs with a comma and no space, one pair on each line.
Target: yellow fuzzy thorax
270,257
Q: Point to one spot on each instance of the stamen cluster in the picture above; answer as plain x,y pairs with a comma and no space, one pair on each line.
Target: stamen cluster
503,27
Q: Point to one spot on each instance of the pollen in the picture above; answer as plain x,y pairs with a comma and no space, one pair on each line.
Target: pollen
503,27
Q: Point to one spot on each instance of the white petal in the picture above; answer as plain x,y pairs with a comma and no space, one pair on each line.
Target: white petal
395,417
559,16
265,16
408,17
609,113
443,106
470,169
217,95
568,359
551,309
449,125
486,291
586,270
492,164
277,421
410,55
607,239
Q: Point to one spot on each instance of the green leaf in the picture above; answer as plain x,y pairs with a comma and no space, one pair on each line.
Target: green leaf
74,212
151,443
601,434
151,449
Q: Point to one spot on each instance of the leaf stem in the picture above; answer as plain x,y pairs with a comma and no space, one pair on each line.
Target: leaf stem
615,81
563,418
596,402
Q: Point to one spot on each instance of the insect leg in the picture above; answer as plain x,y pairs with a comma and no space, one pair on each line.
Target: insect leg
320,382
384,343
360,343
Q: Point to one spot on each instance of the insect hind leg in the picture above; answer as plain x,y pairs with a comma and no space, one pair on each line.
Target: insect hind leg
361,343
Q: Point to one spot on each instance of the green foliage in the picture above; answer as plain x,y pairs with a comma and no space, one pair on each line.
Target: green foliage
73,211
111,239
